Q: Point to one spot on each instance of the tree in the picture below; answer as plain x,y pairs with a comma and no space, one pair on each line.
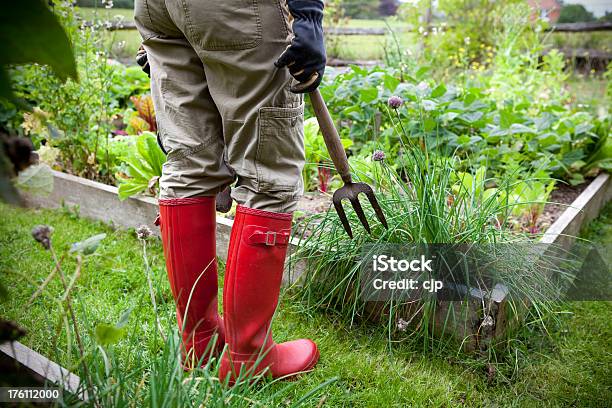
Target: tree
387,7
575,13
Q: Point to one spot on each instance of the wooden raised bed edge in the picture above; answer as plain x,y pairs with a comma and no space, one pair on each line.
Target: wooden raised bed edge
486,320
583,209
42,370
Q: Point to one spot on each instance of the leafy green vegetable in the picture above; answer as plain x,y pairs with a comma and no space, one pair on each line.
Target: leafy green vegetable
144,167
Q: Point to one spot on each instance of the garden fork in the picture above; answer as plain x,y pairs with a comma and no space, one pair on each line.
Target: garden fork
350,190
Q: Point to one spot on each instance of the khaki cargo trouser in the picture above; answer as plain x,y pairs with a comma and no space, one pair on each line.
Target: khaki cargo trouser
224,111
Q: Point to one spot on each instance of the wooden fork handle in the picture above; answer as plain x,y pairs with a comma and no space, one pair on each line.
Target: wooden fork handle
331,136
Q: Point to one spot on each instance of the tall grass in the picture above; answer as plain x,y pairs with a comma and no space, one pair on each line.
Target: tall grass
152,373
159,381
426,201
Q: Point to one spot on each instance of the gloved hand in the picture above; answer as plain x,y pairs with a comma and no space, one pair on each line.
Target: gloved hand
143,60
305,57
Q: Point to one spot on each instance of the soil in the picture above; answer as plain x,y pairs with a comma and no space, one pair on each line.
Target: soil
314,202
562,197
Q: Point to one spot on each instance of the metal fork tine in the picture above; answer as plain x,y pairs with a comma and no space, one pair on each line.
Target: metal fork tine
377,209
337,153
359,211
342,215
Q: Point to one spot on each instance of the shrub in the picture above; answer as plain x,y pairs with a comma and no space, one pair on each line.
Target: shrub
575,13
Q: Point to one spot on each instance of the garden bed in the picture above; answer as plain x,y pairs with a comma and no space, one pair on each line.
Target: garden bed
560,199
478,323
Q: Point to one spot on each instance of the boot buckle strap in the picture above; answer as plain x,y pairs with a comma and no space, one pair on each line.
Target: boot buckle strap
259,236
270,238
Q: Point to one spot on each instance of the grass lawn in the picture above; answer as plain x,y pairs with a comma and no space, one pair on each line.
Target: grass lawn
569,368
589,89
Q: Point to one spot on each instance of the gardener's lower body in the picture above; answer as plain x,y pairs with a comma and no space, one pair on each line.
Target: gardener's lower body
225,114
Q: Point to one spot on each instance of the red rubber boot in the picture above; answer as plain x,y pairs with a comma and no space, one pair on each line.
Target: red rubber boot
188,229
253,276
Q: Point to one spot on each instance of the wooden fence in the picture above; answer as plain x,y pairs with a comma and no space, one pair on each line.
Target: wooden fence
581,56
564,27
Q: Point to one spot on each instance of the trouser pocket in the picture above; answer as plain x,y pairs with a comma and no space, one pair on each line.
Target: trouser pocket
223,25
280,155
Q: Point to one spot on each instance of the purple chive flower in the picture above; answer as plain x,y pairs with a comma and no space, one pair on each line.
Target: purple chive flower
395,102
378,155
143,232
42,234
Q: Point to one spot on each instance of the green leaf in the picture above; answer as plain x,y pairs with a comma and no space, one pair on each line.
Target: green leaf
545,121
107,334
153,154
5,84
463,139
577,165
29,32
367,95
571,156
391,82
547,139
346,143
475,139
576,179
469,99
422,73
506,118
449,116
438,91
311,125
36,179
88,246
583,128
139,169
605,164
471,117
131,187
520,128
429,124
